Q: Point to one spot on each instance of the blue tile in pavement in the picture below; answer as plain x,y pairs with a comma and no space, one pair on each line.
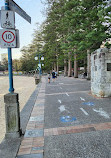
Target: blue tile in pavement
33,133
31,156
38,118
37,148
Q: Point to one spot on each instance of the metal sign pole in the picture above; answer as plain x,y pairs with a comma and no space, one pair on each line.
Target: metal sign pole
11,89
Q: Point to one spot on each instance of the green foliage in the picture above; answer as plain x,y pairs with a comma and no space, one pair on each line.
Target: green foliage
5,64
71,26
77,25
108,45
2,68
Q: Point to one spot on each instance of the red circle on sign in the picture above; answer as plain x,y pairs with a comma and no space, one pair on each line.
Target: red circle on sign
11,40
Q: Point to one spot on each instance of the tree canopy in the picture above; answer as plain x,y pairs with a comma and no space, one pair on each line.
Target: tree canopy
71,26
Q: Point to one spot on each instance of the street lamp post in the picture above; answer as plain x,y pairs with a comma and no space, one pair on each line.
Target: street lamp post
37,80
39,65
42,58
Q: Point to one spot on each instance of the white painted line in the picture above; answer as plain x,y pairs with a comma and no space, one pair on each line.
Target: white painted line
82,99
84,111
67,94
61,83
60,87
101,112
60,101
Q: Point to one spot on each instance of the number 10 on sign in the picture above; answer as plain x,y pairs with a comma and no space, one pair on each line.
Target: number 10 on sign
8,39
8,36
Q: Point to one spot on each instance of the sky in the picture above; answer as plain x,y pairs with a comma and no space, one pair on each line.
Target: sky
34,9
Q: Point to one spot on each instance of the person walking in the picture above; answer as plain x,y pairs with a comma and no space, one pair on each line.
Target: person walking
53,75
49,78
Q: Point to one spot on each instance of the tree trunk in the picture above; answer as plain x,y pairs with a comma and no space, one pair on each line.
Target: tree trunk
57,67
88,65
69,65
65,67
85,64
75,66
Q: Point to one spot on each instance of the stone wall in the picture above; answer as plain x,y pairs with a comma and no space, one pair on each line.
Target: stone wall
101,72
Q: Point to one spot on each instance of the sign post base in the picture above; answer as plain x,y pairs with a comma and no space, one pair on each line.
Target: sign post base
12,115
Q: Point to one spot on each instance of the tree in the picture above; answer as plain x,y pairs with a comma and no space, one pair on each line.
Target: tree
1,68
29,52
5,64
16,65
73,27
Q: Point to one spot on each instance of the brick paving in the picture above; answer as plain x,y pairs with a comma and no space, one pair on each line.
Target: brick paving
32,144
77,129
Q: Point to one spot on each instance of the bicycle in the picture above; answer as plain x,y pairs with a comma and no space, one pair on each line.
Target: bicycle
7,23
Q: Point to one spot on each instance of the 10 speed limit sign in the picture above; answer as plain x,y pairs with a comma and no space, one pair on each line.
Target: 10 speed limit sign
8,38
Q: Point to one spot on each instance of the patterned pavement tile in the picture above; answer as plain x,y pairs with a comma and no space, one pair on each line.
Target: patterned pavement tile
37,108
36,151
26,146
31,123
38,139
77,129
27,141
31,156
33,142
38,118
37,148
30,126
24,151
39,126
80,130
37,112
40,112
33,133
102,126
38,143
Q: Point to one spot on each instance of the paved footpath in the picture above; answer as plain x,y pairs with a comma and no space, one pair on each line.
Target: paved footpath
68,122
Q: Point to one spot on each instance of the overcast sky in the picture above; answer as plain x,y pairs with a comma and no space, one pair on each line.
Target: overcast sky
33,8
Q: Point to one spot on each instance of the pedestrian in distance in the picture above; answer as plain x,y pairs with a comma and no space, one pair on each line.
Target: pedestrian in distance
85,74
53,75
49,78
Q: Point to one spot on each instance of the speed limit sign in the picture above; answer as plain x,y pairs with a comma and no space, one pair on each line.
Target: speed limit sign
8,38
